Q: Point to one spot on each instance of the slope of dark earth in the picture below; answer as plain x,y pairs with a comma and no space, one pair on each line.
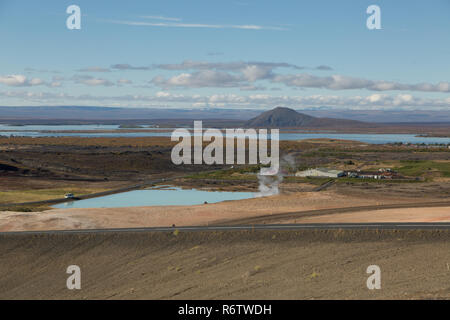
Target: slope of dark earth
324,264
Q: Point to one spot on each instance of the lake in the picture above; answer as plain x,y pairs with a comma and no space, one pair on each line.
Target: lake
156,197
37,131
58,127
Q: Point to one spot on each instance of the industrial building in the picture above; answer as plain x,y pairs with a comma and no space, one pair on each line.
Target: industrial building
320,172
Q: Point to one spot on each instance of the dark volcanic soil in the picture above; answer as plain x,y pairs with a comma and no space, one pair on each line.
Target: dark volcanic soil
227,265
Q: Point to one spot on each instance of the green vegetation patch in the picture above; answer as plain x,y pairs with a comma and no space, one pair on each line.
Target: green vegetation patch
375,181
241,173
418,168
130,126
19,196
311,180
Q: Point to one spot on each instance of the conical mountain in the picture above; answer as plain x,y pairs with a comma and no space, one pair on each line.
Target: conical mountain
281,117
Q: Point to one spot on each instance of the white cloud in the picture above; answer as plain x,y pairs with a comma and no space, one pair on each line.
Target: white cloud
94,69
195,25
340,82
161,18
225,66
55,84
256,72
36,82
210,74
124,81
18,80
33,70
204,78
258,101
91,81
244,74
97,82
126,66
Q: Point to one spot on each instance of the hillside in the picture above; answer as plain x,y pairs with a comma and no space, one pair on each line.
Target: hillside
309,264
288,118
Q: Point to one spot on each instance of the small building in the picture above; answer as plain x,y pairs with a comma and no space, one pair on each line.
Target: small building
352,174
320,172
369,175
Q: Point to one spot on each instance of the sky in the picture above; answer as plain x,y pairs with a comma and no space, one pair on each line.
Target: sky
226,54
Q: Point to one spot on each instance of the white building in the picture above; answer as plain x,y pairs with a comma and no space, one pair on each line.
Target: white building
320,172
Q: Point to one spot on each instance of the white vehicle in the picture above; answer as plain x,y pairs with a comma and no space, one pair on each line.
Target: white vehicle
69,196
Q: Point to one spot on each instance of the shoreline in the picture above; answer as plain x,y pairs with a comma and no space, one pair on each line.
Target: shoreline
301,207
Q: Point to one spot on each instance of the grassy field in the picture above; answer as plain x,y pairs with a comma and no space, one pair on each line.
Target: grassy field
245,173
18,196
420,168
46,168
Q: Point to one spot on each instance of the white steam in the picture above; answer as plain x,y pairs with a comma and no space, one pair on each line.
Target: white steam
270,185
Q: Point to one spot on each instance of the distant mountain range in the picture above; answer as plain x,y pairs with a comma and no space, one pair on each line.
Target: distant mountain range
110,113
384,116
288,118
118,115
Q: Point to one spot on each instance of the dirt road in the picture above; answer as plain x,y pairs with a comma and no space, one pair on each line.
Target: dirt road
332,213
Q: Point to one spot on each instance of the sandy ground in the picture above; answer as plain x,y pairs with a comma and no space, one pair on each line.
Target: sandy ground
58,219
227,265
438,214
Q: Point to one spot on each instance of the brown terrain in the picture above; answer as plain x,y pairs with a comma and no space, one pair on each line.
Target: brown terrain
306,207
40,169
314,264
263,264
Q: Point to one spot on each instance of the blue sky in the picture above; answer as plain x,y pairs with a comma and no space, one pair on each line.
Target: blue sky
226,54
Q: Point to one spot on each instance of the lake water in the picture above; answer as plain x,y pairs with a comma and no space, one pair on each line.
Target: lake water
368,138
156,197
59,127
37,128
36,131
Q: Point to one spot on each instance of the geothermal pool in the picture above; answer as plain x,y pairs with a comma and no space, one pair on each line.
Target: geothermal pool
156,197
